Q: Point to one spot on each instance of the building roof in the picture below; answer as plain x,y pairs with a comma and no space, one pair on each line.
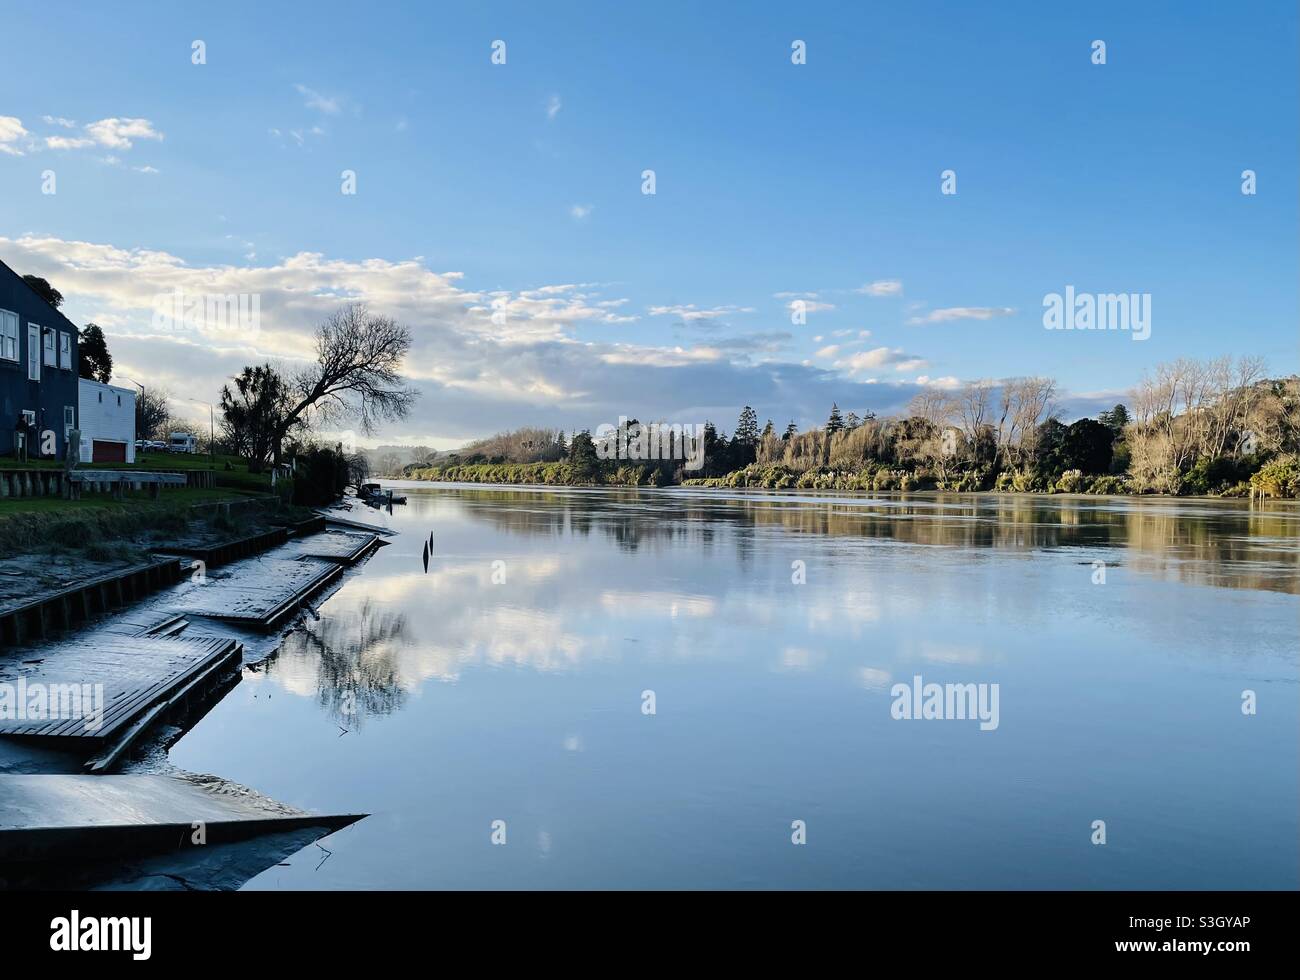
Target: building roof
108,387
5,270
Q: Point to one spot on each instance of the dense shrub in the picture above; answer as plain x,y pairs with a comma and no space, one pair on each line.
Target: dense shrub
320,476
1108,484
1071,481
1280,478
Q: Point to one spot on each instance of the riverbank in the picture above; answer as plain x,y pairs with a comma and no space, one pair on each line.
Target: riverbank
814,492
136,657
50,544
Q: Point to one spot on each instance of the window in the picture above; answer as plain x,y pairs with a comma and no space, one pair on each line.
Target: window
101,398
65,350
33,352
47,341
8,335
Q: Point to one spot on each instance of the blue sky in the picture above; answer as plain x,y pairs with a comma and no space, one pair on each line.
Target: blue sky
508,182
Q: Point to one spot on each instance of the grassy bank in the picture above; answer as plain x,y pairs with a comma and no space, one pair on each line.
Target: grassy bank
131,500
30,523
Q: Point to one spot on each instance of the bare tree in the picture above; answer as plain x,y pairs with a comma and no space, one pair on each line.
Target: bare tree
358,469
355,375
1024,404
152,416
974,405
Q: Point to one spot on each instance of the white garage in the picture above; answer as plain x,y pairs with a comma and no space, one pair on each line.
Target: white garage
107,417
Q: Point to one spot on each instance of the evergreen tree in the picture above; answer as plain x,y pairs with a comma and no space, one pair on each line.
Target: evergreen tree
791,431
714,450
1115,419
747,427
744,444
836,422
45,290
768,430
583,458
94,362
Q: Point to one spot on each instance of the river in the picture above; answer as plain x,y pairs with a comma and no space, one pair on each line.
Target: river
667,689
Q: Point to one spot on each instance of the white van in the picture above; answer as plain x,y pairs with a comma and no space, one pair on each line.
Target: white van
182,442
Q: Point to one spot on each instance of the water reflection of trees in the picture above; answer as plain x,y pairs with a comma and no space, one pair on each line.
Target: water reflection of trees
353,654
1222,543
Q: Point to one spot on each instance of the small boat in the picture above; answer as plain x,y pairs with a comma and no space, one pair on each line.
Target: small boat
376,496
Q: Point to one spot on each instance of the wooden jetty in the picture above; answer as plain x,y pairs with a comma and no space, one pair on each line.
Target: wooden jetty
263,592
332,518
347,547
37,618
100,693
54,818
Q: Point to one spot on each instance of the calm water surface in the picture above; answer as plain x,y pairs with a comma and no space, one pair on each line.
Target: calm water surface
522,701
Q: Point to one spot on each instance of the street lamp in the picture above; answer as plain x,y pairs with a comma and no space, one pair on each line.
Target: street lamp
212,424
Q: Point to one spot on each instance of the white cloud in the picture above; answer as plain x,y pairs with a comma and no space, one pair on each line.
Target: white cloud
68,142
690,312
882,287
877,358
315,100
11,133
963,313
580,211
808,306
118,133
482,360
553,107
59,121
948,381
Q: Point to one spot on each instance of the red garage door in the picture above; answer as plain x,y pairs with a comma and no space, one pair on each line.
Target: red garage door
102,451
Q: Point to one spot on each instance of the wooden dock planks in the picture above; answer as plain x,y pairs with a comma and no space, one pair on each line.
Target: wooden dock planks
347,547
263,592
134,674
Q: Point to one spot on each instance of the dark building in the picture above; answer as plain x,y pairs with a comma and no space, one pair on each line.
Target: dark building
38,371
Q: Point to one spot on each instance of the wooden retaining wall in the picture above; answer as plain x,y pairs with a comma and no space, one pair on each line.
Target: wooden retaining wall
51,483
228,551
311,525
36,619
31,483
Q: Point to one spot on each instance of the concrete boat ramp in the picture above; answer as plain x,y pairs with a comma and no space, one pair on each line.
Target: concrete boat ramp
88,825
